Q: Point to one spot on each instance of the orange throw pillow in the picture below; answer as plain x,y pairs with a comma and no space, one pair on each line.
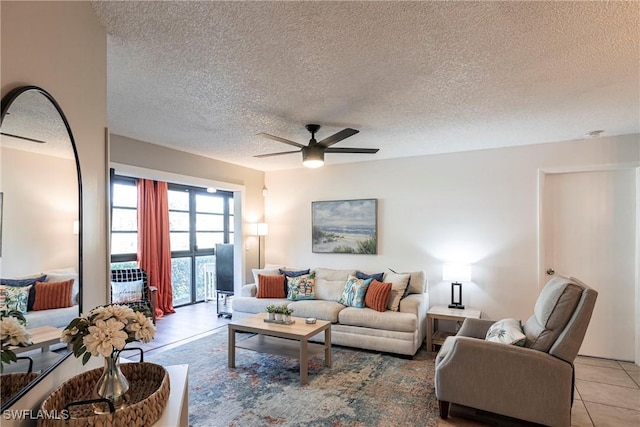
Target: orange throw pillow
53,295
271,286
377,295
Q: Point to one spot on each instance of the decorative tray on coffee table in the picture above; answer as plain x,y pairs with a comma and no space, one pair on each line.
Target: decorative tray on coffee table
280,322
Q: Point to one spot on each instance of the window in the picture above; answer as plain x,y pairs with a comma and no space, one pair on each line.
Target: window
124,220
198,220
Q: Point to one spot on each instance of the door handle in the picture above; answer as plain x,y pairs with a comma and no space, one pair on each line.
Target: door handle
551,271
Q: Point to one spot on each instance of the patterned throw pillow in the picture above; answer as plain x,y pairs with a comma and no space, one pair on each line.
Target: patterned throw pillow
15,297
506,331
29,281
354,292
123,292
301,287
377,296
271,286
53,295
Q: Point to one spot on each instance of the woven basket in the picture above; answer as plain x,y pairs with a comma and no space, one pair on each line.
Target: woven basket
11,384
147,397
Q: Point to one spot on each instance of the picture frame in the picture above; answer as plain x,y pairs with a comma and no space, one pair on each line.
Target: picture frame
345,226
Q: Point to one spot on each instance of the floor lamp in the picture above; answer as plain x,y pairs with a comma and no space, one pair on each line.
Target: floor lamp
261,230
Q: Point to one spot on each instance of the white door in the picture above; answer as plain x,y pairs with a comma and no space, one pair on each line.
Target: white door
589,233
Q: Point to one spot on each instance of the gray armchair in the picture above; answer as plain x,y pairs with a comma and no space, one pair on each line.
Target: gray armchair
532,383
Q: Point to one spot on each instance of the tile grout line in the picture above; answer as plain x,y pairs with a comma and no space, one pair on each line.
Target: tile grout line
611,406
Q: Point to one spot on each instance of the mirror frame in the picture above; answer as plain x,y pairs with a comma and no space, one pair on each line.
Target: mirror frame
7,101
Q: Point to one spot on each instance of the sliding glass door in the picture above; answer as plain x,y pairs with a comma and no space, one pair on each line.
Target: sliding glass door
198,220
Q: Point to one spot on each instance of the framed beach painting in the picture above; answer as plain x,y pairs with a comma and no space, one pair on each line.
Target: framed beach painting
345,226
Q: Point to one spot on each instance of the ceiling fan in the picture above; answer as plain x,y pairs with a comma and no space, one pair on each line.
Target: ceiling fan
313,153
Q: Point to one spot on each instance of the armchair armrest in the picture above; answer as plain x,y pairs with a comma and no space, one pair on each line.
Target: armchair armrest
475,328
511,380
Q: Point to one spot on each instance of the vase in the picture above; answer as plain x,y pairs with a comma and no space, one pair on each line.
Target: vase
287,318
112,385
279,317
271,316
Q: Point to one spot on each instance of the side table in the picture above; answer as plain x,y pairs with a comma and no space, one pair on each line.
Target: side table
441,312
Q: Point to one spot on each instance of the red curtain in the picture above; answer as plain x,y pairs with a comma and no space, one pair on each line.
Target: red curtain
154,253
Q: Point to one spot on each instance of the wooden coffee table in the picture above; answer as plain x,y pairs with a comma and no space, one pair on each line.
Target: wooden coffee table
282,340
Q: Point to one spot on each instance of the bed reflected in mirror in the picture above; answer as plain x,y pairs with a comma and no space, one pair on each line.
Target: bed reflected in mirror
41,230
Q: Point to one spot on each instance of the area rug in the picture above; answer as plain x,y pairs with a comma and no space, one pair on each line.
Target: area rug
362,388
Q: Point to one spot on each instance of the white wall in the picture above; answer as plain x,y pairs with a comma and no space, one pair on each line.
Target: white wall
62,47
480,207
40,205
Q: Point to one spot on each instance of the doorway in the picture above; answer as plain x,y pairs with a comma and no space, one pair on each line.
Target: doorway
588,230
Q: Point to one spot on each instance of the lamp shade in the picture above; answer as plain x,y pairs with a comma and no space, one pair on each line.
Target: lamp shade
262,229
456,272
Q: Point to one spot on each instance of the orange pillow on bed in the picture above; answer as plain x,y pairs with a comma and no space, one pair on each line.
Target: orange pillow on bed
53,295
271,286
377,295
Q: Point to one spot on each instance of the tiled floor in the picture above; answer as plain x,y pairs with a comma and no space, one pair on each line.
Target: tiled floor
607,391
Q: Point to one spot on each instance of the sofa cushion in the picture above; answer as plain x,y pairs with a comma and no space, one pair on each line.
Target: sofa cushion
271,286
294,273
354,291
323,310
388,320
301,287
255,305
399,283
506,331
26,281
15,298
330,283
554,307
376,276
377,296
53,295
62,275
264,272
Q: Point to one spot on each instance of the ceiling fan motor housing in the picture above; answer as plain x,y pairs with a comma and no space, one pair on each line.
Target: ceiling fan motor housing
313,155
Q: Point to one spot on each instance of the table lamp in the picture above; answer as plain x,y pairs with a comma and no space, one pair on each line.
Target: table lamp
456,274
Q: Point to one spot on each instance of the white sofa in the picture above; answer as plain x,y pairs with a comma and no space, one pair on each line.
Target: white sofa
56,317
401,332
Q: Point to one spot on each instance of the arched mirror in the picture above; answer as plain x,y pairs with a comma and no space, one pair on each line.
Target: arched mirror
40,231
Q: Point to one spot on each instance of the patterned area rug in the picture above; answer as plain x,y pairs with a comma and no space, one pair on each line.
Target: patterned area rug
362,388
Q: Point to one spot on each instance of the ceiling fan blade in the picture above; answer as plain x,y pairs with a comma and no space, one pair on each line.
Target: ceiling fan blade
277,138
352,150
337,137
277,154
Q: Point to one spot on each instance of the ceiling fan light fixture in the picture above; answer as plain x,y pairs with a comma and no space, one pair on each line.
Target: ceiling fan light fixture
313,156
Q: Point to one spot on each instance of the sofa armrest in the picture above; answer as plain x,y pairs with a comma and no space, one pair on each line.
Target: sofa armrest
416,304
475,328
518,381
250,290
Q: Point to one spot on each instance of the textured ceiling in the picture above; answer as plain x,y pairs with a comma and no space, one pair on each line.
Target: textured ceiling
414,77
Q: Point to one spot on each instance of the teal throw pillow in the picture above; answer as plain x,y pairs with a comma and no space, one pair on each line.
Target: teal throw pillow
354,292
